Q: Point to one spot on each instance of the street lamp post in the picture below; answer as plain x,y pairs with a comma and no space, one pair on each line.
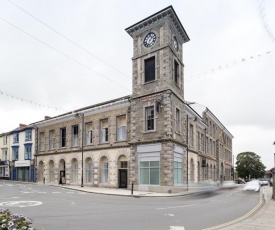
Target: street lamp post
187,143
82,137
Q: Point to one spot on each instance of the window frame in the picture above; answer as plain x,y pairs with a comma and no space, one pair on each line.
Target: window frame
27,151
51,139
28,135
105,131
5,140
148,76
75,136
4,154
42,145
191,135
150,169
178,120
15,151
15,137
88,133
176,72
177,173
121,135
63,139
150,119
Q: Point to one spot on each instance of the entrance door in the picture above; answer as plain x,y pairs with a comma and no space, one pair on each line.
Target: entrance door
122,178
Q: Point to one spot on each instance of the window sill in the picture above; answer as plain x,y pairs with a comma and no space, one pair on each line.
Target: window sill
149,131
148,82
104,143
177,85
63,147
120,141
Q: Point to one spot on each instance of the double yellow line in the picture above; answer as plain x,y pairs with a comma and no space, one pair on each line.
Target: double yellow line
236,220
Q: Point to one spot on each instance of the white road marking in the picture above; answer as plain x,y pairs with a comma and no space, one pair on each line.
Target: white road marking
169,214
176,207
20,204
176,228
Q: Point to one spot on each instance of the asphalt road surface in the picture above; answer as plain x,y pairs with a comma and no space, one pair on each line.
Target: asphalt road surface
56,208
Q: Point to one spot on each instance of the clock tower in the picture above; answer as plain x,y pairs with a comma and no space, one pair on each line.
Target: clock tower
157,102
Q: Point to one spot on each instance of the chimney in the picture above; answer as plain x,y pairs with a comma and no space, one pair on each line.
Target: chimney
47,118
21,126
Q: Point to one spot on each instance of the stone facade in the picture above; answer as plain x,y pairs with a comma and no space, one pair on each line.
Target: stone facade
151,139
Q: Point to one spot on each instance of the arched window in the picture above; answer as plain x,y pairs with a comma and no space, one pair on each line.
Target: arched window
74,176
51,171
89,170
192,170
104,170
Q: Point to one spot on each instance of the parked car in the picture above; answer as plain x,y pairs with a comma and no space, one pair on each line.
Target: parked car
253,185
264,181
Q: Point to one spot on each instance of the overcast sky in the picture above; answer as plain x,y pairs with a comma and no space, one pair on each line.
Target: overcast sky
58,56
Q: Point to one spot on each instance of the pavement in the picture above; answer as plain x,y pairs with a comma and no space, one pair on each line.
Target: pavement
262,217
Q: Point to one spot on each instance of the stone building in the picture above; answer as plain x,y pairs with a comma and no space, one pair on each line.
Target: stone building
152,139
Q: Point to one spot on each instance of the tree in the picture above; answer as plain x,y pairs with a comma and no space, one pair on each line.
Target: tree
249,165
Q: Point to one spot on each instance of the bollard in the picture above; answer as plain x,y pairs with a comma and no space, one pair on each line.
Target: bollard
132,192
44,180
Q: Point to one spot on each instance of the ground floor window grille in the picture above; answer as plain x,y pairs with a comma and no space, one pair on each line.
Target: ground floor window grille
149,172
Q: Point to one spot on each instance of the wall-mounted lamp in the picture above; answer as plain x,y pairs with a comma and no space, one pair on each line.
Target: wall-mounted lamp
159,103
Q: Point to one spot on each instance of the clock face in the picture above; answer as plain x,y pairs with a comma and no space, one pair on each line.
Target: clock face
175,43
149,39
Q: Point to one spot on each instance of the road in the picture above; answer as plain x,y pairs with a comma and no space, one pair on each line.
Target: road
56,208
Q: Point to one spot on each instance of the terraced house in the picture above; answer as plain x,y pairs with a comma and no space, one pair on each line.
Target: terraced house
152,139
17,148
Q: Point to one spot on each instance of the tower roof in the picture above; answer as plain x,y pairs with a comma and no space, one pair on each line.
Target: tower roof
168,12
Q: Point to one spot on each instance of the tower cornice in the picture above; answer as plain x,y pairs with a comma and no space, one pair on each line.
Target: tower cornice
167,13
